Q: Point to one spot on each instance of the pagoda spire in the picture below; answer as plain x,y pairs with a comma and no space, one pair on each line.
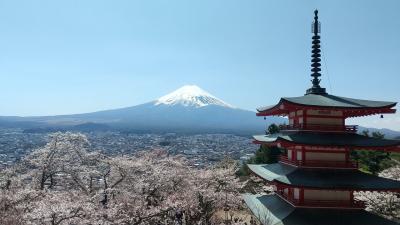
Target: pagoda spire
315,58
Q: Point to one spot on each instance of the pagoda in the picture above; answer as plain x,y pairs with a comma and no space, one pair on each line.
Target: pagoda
315,179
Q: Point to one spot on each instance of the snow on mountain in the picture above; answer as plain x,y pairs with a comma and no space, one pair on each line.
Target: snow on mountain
189,109
191,95
189,114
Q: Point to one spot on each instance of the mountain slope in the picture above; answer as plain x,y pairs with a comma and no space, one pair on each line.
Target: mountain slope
391,134
188,109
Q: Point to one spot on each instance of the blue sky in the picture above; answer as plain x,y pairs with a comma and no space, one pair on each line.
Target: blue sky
62,57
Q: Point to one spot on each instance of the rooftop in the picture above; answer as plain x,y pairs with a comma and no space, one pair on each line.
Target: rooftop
272,210
329,139
323,178
328,100
349,105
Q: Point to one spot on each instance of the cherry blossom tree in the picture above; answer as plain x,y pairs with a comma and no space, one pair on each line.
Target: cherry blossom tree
383,203
60,207
67,182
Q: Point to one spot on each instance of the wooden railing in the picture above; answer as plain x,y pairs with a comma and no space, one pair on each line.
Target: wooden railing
323,203
334,203
320,127
319,163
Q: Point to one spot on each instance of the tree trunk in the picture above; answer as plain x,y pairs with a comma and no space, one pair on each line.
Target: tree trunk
51,181
42,180
91,184
105,194
8,184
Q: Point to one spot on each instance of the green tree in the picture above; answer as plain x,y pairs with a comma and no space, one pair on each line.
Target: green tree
372,161
264,155
273,129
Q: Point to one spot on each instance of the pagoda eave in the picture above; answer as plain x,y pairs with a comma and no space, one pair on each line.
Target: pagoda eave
396,190
368,112
347,112
284,107
350,141
287,144
323,179
273,210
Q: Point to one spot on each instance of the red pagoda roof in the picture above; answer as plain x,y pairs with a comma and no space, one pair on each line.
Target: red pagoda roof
323,178
350,106
273,210
353,140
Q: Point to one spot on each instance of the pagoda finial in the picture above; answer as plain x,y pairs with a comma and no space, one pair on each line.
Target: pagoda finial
315,58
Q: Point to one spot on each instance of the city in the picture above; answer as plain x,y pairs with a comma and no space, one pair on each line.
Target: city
201,149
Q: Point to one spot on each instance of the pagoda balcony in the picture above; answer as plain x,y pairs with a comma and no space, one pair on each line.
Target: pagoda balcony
319,163
320,127
356,204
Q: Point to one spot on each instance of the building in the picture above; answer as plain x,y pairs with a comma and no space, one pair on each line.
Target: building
315,179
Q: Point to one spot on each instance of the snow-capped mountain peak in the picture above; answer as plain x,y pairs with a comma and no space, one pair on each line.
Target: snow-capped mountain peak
191,95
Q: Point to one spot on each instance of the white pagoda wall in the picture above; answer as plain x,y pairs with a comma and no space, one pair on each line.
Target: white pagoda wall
316,117
326,195
324,121
324,112
326,156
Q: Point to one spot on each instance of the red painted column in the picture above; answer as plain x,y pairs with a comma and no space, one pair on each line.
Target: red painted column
351,198
294,154
343,123
301,196
291,194
279,189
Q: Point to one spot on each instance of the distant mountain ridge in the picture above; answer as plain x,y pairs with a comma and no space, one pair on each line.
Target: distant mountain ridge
187,109
391,134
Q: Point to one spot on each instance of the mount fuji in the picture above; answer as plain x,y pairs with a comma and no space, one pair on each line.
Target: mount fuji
191,96
188,109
